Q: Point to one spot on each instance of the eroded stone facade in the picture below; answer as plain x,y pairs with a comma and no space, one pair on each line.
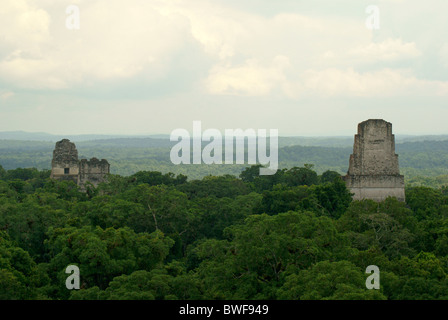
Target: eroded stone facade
66,165
373,167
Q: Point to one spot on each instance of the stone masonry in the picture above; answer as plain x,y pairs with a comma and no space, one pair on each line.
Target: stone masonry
373,168
66,166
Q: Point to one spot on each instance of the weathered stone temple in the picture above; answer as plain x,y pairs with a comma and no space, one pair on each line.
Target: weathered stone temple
66,166
373,168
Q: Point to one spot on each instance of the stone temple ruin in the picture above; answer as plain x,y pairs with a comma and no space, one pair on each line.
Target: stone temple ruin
373,168
66,166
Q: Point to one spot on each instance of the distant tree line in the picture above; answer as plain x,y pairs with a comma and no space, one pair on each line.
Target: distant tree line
418,160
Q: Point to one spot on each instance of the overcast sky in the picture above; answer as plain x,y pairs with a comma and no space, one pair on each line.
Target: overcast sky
145,66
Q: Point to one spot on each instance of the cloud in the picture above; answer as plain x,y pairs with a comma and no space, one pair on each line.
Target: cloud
145,39
384,83
114,42
443,55
156,64
253,78
24,25
6,94
32,72
388,50
245,53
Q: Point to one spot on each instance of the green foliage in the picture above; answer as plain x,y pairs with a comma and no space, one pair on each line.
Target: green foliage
154,235
300,176
326,280
426,202
210,186
17,272
157,284
333,197
154,178
103,254
2,172
422,162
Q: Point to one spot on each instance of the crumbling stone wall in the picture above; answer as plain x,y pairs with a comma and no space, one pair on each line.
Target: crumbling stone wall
93,171
66,165
373,167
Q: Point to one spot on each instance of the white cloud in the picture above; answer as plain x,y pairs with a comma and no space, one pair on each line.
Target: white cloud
32,73
443,55
115,41
24,25
119,41
153,54
388,50
6,94
386,82
255,55
253,78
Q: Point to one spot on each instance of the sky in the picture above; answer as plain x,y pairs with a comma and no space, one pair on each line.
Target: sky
306,68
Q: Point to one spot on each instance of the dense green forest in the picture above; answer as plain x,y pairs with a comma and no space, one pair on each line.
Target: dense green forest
151,235
423,162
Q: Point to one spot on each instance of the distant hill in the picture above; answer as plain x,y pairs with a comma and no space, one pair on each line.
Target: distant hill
159,139
42,136
418,156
